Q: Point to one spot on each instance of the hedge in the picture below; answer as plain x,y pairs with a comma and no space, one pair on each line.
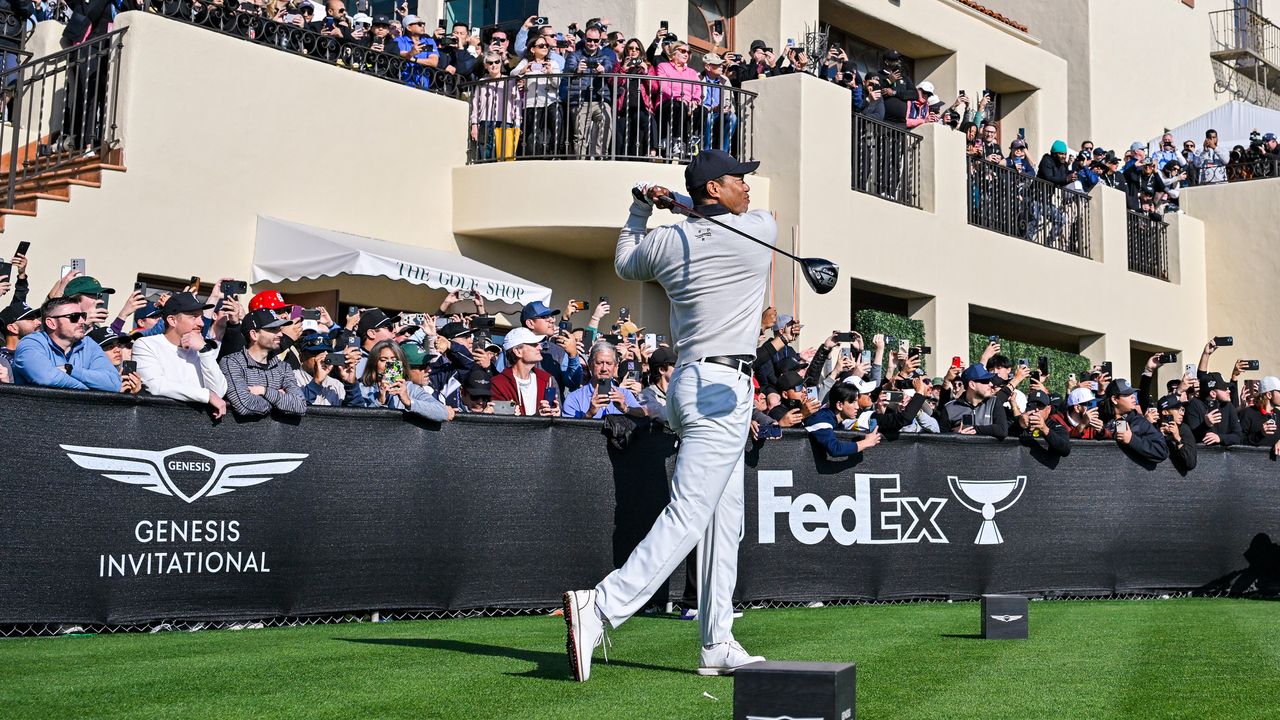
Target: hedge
1060,363
870,322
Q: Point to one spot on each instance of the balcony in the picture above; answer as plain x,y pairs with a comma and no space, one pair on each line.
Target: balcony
1247,44
1148,246
886,161
1004,200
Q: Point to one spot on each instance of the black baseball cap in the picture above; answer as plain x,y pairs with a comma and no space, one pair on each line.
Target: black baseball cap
381,20
1169,402
1119,388
1038,398
662,356
1214,381
477,384
106,337
372,319
454,330
314,342
183,303
17,311
790,380
263,320
711,164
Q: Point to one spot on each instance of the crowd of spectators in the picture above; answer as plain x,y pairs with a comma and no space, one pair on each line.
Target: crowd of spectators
270,357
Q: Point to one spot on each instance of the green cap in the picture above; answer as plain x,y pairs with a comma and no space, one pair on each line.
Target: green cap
415,354
1058,147
85,285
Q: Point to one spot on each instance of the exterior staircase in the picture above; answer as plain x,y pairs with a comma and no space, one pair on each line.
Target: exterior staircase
34,184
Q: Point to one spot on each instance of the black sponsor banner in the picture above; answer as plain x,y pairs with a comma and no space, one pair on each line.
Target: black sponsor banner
117,509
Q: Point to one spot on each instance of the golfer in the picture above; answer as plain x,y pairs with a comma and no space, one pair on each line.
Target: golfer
716,283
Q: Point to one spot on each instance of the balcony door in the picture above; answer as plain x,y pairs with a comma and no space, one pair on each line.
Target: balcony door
703,14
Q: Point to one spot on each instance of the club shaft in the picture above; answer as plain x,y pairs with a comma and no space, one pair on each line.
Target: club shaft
691,211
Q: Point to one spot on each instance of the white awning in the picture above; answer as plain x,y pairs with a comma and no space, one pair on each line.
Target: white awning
293,251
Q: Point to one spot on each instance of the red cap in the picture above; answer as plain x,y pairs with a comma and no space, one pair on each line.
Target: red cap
267,300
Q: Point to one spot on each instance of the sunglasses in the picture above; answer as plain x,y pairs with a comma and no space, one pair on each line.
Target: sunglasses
591,41
541,46
72,317
499,39
492,62
683,51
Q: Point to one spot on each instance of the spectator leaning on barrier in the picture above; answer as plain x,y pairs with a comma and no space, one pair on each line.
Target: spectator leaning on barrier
795,404
1044,428
980,409
843,406
453,359
662,365
181,363
17,321
1080,415
258,382
1219,424
477,393
118,348
419,49
1210,164
60,356
1260,421
1181,449
1135,435
603,395
532,389
425,401
315,376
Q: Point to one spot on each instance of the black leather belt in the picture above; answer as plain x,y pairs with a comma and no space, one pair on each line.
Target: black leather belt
741,363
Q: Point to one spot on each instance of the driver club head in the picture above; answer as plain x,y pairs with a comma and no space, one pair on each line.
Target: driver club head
821,274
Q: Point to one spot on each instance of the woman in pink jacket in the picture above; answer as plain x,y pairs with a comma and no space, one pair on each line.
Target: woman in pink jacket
678,103
637,136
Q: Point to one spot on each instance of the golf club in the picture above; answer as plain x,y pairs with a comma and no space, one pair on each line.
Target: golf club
820,274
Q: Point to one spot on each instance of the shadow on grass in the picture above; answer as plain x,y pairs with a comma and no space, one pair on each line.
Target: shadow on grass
965,636
547,665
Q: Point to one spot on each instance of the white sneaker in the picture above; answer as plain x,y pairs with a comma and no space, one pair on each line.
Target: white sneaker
723,658
586,631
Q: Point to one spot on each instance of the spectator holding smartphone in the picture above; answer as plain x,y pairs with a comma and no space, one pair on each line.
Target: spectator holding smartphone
315,376
1135,435
60,356
843,406
980,409
522,382
385,382
1043,427
1182,449
477,393
425,400
181,363
118,349
1259,421
1080,416
795,403
259,382
653,398
603,396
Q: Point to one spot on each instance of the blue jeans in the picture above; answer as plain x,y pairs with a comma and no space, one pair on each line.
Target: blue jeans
729,126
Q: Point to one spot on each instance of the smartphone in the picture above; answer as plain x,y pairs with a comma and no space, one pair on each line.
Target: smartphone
651,341
1042,364
549,395
310,314
439,24
581,305
1022,132
565,326
904,383
1023,362
6,269
634,375
993,339
662,339
475,32
329,23
791,42
504,407
1122,426
23,247
77,264
335,359
811,393
1221,341
394,372
893,398
624,313
771,431
237,287
904,345
604,299
872,424
890,341
846,337
129,367
956,361
353,341
718,27
541,21
1189,369
664,25
1167,358
1106,368
866,357
603,387
966,420
1254,365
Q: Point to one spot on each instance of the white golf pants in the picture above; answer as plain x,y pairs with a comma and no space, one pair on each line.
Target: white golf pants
709,407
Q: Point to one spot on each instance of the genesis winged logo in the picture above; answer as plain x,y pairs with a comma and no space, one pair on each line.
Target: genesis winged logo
188,473
1006,618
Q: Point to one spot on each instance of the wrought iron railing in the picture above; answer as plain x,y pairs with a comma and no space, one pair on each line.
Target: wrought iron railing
1006,201
58,109
606,116
246,21
1241,30
886,161
1148,245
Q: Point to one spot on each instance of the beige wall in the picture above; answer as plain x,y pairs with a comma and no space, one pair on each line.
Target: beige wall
1240,234
951,267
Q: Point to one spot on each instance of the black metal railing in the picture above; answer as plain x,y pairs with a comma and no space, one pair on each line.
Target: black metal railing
1241,30
1148,245
59,109
1006,201
14,31
886,161
606,116
246,21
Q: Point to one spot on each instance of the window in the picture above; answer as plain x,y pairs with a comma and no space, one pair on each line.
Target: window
703,14
864,55
490,13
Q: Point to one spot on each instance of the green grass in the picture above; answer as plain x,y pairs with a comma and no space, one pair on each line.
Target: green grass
1104,659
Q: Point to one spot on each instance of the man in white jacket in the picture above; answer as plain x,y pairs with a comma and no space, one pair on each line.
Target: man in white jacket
181,363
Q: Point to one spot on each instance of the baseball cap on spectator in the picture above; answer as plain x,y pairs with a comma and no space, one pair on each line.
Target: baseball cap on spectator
1169,402
1268,137
262,320
1038,398
17,311
105,337
411,19
268,300
712,59
492,345
1214,380
454,330
520,336
477,384
384,20
1099,152
85,285
862,386
927,87
1120,387
758,45
1136,146
314,342
1149,160
415,355
535,310
146,312
937,382
364,18
1268,384
1080,396
1018,143
1058,147
783,321
662,356
372,319
307,9
976,372
1112,157
790,380
708,165
892,55
181,303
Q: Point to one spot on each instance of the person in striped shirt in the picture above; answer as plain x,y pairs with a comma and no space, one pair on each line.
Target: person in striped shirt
259,382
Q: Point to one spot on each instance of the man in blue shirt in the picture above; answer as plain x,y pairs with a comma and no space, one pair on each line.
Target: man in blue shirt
586,402
59,357
842,405
420,51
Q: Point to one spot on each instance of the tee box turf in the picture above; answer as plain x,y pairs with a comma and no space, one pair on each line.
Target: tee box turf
1004,617
796,690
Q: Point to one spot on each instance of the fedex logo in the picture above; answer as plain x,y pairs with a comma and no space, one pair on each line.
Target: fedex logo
875,514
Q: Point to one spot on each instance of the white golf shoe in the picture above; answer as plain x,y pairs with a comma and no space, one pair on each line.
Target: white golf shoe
723,658
586,631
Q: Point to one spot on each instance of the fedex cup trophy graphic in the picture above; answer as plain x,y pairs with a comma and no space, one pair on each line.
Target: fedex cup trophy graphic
991,496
